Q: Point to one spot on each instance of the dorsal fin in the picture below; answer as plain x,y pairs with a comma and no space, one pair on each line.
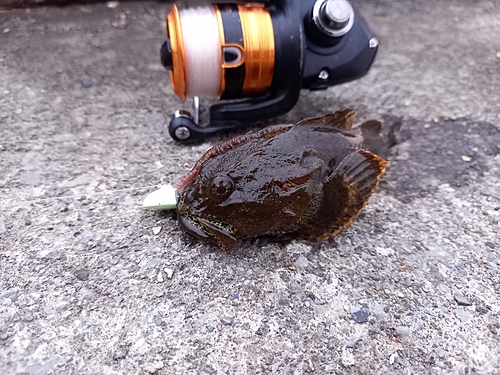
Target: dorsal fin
341,119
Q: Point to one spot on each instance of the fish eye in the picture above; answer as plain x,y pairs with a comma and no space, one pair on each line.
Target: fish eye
221,188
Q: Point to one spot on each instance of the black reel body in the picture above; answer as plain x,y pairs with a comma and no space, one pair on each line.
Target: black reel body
314,44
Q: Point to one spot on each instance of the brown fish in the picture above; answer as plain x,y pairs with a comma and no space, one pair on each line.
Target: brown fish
310,179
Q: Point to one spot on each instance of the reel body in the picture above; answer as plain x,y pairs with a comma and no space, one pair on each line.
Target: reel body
263,53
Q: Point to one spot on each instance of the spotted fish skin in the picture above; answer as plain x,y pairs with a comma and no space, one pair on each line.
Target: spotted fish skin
310,179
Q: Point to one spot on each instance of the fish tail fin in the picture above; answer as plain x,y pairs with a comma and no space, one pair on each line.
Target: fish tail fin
376,140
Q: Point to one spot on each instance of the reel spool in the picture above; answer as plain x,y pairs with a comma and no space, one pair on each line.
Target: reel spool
232,58
264,52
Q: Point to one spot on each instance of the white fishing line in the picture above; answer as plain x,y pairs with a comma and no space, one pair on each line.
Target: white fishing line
200,32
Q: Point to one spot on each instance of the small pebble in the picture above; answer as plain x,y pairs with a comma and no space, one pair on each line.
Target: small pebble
86,83
160,277
430,361
121,23
393,357
319,302
28,318
283,302
482,310
491,245
46,253
466,158
378,286
419,325
235,295
112,4
157,230
462,300
484,260
3,228
82,274
119,299
282,322
353,240
169,272
359,315
120,354
330,346
464,315
404,334
157,320
149,263
493,329
86,293
264,320
226,321
210,328
103,247
378,311
87,236
440,353
301,262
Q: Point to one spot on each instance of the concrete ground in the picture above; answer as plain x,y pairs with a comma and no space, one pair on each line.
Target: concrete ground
87,287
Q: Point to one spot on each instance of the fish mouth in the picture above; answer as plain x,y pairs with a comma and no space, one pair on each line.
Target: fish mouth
191,226
219,233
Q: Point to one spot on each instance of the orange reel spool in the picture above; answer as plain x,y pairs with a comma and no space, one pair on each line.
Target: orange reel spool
246,51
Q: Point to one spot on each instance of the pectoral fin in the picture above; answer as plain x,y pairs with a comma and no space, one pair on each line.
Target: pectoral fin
346,191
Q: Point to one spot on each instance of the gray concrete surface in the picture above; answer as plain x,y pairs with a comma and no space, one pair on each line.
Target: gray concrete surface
86,287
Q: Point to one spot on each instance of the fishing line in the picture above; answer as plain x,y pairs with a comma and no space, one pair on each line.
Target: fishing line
202,51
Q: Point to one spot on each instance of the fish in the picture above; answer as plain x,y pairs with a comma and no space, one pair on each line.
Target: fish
310,180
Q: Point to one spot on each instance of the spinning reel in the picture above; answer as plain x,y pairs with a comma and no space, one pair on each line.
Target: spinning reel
264,53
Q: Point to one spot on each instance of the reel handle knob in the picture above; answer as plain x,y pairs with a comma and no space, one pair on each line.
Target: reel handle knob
184,129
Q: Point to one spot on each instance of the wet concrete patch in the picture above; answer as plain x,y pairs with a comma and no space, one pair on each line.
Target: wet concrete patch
451,152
